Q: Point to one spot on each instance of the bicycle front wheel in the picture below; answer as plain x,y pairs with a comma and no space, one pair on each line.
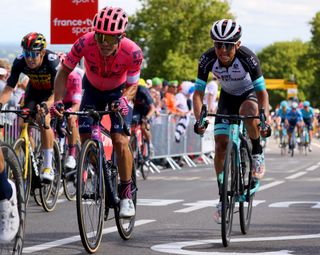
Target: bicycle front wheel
90,197
14,172
49,193
228,193
20,149
245,185
126,225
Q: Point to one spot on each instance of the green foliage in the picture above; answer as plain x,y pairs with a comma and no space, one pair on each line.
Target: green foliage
173,34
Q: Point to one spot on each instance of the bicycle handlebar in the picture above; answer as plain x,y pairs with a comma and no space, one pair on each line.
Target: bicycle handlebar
96,115
25,113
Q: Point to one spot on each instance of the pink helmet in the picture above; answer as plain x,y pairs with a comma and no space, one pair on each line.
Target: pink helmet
110,20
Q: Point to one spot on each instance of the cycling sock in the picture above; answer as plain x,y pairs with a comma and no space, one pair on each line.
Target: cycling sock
125,189
47,156
5,187
72,150
256,146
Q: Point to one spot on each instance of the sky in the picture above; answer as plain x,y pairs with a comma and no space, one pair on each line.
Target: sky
263,21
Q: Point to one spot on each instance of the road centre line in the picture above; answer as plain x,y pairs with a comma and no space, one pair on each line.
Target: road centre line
296,175
72,239
270,185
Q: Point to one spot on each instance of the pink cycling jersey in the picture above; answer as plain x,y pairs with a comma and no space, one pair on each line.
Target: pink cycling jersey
73,88
107,73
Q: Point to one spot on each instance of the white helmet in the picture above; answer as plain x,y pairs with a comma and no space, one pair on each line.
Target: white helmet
226,30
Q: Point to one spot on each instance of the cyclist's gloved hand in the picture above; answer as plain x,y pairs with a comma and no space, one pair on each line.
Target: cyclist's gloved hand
200,129
44,108
123,106
56,109
266,132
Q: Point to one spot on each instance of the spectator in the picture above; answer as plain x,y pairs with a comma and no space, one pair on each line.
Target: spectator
210,95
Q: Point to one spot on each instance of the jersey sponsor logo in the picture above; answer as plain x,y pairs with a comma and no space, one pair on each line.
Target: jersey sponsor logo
52,57
76,2
40,81
252,62
79,45
137,57
203,61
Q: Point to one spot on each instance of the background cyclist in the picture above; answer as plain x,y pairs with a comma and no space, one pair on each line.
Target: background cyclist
143,111
40,65
281,117
293,119
243,92
308,118
112,70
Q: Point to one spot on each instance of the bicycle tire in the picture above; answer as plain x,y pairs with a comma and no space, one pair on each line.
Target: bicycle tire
89,174
135,150
14,171
70,179
19,148
125,226
245,181
145,167
228,193
49,193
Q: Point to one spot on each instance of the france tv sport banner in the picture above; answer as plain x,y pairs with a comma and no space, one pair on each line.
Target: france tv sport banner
71,19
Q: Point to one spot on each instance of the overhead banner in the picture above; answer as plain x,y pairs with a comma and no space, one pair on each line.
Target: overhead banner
71,19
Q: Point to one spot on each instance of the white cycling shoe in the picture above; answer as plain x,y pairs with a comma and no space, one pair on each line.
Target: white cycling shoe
9,216
71,162
127,209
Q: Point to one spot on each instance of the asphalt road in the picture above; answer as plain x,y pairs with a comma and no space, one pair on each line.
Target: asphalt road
175,208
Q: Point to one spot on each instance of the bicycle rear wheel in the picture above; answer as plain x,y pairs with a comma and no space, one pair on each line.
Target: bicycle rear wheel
14,171
90,197
135,151
145,166
49,193
228,193
245,185
20,149
126,225
70,178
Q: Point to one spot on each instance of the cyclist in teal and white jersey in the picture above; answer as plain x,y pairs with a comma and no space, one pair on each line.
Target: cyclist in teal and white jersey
308,118
243,92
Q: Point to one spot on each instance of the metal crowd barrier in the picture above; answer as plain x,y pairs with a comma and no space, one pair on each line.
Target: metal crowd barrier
163,138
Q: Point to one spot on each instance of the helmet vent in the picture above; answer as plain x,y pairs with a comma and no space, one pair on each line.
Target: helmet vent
101,15
115,16
105,26
120,24
112,27
109,12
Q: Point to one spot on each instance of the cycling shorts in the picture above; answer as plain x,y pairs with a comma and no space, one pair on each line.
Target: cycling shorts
308,123
99,100
230,104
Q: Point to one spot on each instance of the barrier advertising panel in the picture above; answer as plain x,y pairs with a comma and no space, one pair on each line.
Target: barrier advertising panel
71,19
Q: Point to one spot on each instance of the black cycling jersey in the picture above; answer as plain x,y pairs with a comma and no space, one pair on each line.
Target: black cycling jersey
243,75
142,101
41,78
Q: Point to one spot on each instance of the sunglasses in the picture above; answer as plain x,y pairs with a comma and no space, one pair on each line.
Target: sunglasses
109,39
31,54
227,45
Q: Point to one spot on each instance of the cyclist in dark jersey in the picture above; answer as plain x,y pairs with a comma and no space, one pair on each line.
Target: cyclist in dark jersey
243,91
40,65
143,111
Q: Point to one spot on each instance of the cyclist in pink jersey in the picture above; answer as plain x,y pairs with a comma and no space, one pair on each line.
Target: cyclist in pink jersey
112,70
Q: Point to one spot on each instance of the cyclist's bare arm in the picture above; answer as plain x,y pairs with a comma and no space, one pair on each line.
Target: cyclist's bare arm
263,101
60,81
130,92
197,103
151,111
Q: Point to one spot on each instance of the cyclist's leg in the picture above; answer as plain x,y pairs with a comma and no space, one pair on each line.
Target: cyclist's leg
9,224
250,107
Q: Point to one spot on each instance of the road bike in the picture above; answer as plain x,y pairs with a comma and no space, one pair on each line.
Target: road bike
28,150
141,151
236,181
283,139
293,142
68,176
304,141
14,172
97,185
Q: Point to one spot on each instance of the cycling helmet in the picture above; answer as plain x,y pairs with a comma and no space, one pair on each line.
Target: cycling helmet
283,104
306,103
110,20
226,30
33,42
294,105
142,82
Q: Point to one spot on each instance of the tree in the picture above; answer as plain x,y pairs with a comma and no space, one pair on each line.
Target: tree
173,34
284,60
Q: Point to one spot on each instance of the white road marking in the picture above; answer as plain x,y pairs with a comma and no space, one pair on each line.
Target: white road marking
157,202
288,203
270,185
72,239
296,175
179,247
